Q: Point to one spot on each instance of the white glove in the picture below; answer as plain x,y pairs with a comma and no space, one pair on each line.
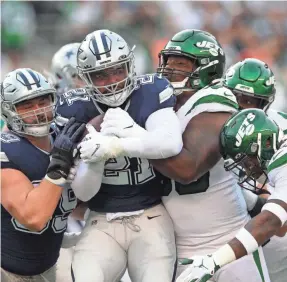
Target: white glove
70,239
201,269
119,123
73,171
96,147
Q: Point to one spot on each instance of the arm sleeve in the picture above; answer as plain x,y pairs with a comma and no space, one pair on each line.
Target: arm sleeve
88,180
161,139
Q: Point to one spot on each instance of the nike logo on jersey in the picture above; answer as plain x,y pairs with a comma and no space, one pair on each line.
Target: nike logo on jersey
151,217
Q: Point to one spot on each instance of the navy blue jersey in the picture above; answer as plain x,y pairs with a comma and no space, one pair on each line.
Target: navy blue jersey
128,184
26,252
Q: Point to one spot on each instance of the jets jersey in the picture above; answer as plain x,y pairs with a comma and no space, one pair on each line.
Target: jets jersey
128,184
208,212
277,174
280,118
26,252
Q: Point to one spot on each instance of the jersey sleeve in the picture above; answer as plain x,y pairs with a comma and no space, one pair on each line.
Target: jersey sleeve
280,118
8,148
74,103
210,99
153,94
277,174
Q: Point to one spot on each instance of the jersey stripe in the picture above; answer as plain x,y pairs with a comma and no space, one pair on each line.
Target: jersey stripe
25,80
96,49
214,99
278,162
3,157
36,80
105,44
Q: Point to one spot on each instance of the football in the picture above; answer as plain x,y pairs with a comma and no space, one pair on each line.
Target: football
96,123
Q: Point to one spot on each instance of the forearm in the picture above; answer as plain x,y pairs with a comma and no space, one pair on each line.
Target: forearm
39,204
153,146
255,233
160,139
88,180
182,168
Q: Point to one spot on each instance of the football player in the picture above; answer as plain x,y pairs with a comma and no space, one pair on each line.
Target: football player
254,142
193,60
33,220
253,84
127,224
64,73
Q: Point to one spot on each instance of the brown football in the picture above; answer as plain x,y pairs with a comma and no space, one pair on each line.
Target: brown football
96,123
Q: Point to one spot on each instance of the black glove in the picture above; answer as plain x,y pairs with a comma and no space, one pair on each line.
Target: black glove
64,150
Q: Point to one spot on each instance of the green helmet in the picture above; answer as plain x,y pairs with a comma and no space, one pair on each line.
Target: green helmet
252,78
201,47
250,139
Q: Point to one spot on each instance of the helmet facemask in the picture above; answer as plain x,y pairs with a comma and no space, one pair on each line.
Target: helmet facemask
191,79
112,94
252,167
262,102
18,121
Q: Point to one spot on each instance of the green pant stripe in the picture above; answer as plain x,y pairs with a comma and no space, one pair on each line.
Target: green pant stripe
256,258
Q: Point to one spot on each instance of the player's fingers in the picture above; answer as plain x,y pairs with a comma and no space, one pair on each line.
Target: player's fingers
90,128
112,131
70,122
77,135
111,123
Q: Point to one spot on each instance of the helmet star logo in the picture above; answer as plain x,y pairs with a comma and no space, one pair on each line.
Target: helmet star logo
69,54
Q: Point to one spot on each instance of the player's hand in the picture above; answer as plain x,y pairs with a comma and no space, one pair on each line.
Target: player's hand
64,151
118,122
96,147
73,171
201,269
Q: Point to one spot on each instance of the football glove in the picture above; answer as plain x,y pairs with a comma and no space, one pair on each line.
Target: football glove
64,152
119,123
201,269
96,147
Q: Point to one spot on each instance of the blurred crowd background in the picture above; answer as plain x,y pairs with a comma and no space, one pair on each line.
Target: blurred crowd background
32,31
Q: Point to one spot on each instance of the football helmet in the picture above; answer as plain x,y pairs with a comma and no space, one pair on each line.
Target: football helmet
22,85
251,78
64,67
250,139
104,50
203,49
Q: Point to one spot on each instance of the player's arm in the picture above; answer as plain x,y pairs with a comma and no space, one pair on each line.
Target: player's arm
121,136
256,232
200,150
88,180
34,207
160,139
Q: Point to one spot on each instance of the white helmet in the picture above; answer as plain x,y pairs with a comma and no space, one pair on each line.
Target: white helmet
64,67
21,85
100,50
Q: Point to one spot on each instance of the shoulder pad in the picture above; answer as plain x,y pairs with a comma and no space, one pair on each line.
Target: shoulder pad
212,99
279,158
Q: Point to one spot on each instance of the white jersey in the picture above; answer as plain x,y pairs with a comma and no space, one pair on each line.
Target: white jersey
276,251
280,118
277,174
208,212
